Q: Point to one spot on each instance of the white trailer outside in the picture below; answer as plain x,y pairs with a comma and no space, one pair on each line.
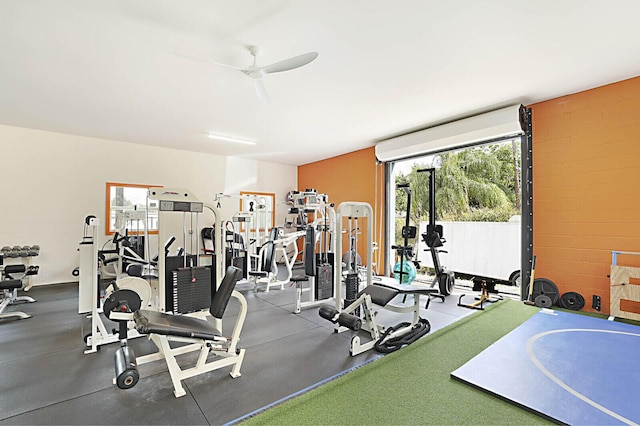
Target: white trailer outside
479,249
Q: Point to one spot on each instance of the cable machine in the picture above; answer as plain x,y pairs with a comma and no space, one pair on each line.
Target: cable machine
358,309
319,264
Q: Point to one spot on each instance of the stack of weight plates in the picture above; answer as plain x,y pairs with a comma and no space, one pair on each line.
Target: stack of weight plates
545,293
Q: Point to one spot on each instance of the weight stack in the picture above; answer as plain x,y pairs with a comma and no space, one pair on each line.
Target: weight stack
324,277
191,289
352,283
239,260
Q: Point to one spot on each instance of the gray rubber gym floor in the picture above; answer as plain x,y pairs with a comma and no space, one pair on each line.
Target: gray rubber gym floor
47,379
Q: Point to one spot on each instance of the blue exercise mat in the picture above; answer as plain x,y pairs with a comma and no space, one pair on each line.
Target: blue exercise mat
571,368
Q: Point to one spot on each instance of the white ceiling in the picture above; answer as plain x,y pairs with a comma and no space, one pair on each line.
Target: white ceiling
107,68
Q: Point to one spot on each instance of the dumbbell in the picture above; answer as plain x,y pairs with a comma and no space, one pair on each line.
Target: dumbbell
31,250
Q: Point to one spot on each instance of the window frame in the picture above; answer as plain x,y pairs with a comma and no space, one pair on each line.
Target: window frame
107,221
258,194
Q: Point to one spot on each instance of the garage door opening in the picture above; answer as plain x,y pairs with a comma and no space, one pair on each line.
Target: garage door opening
478,203
483,162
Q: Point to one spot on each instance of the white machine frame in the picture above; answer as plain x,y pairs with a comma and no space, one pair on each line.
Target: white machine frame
123,219
285,246
319,208
88,284
255,230
370,324
354,209
88,289
226,351
171,200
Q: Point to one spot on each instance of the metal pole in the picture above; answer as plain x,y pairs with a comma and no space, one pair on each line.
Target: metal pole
526,142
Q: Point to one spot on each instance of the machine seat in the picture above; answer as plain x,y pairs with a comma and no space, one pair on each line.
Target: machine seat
10,284
383,293
408,288
174,325
148,322
299,278
379,295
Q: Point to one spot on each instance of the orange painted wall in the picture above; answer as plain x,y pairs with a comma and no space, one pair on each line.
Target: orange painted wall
350,177
586,180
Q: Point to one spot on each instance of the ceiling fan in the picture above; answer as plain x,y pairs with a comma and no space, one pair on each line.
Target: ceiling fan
257,72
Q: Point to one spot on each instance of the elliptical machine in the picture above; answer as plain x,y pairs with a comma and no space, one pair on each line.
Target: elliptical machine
434,239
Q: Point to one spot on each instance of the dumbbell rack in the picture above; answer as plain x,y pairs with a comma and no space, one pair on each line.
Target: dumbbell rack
23,252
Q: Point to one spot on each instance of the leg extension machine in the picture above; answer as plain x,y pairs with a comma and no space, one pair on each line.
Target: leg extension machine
199,335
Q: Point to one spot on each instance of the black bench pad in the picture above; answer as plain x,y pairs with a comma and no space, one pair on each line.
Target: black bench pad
174,325
382,293
379,295
10,284
408,288
15,269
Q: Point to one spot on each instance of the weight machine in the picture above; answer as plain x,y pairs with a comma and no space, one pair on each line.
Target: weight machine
90,299
249,231
193,333
187,290
318,264
138,252
164,291
357,311
265,274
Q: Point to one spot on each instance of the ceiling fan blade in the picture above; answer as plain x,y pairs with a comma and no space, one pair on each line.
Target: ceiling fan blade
261,91
291,63
206,61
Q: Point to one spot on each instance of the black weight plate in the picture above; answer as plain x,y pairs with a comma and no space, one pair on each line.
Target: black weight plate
121,297
543,301
546,287
572,300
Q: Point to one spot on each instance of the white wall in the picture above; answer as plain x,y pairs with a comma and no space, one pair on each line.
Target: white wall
52,181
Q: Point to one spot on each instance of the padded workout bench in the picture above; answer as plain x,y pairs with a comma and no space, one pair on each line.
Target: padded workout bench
9,287
200,334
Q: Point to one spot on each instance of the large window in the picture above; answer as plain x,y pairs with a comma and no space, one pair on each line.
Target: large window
127,208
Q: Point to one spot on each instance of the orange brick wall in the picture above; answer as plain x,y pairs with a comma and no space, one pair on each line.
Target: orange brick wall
586,179
350,177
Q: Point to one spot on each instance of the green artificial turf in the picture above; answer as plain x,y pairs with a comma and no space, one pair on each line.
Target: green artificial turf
413,385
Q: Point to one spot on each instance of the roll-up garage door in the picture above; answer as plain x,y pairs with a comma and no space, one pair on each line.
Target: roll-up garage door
491,126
